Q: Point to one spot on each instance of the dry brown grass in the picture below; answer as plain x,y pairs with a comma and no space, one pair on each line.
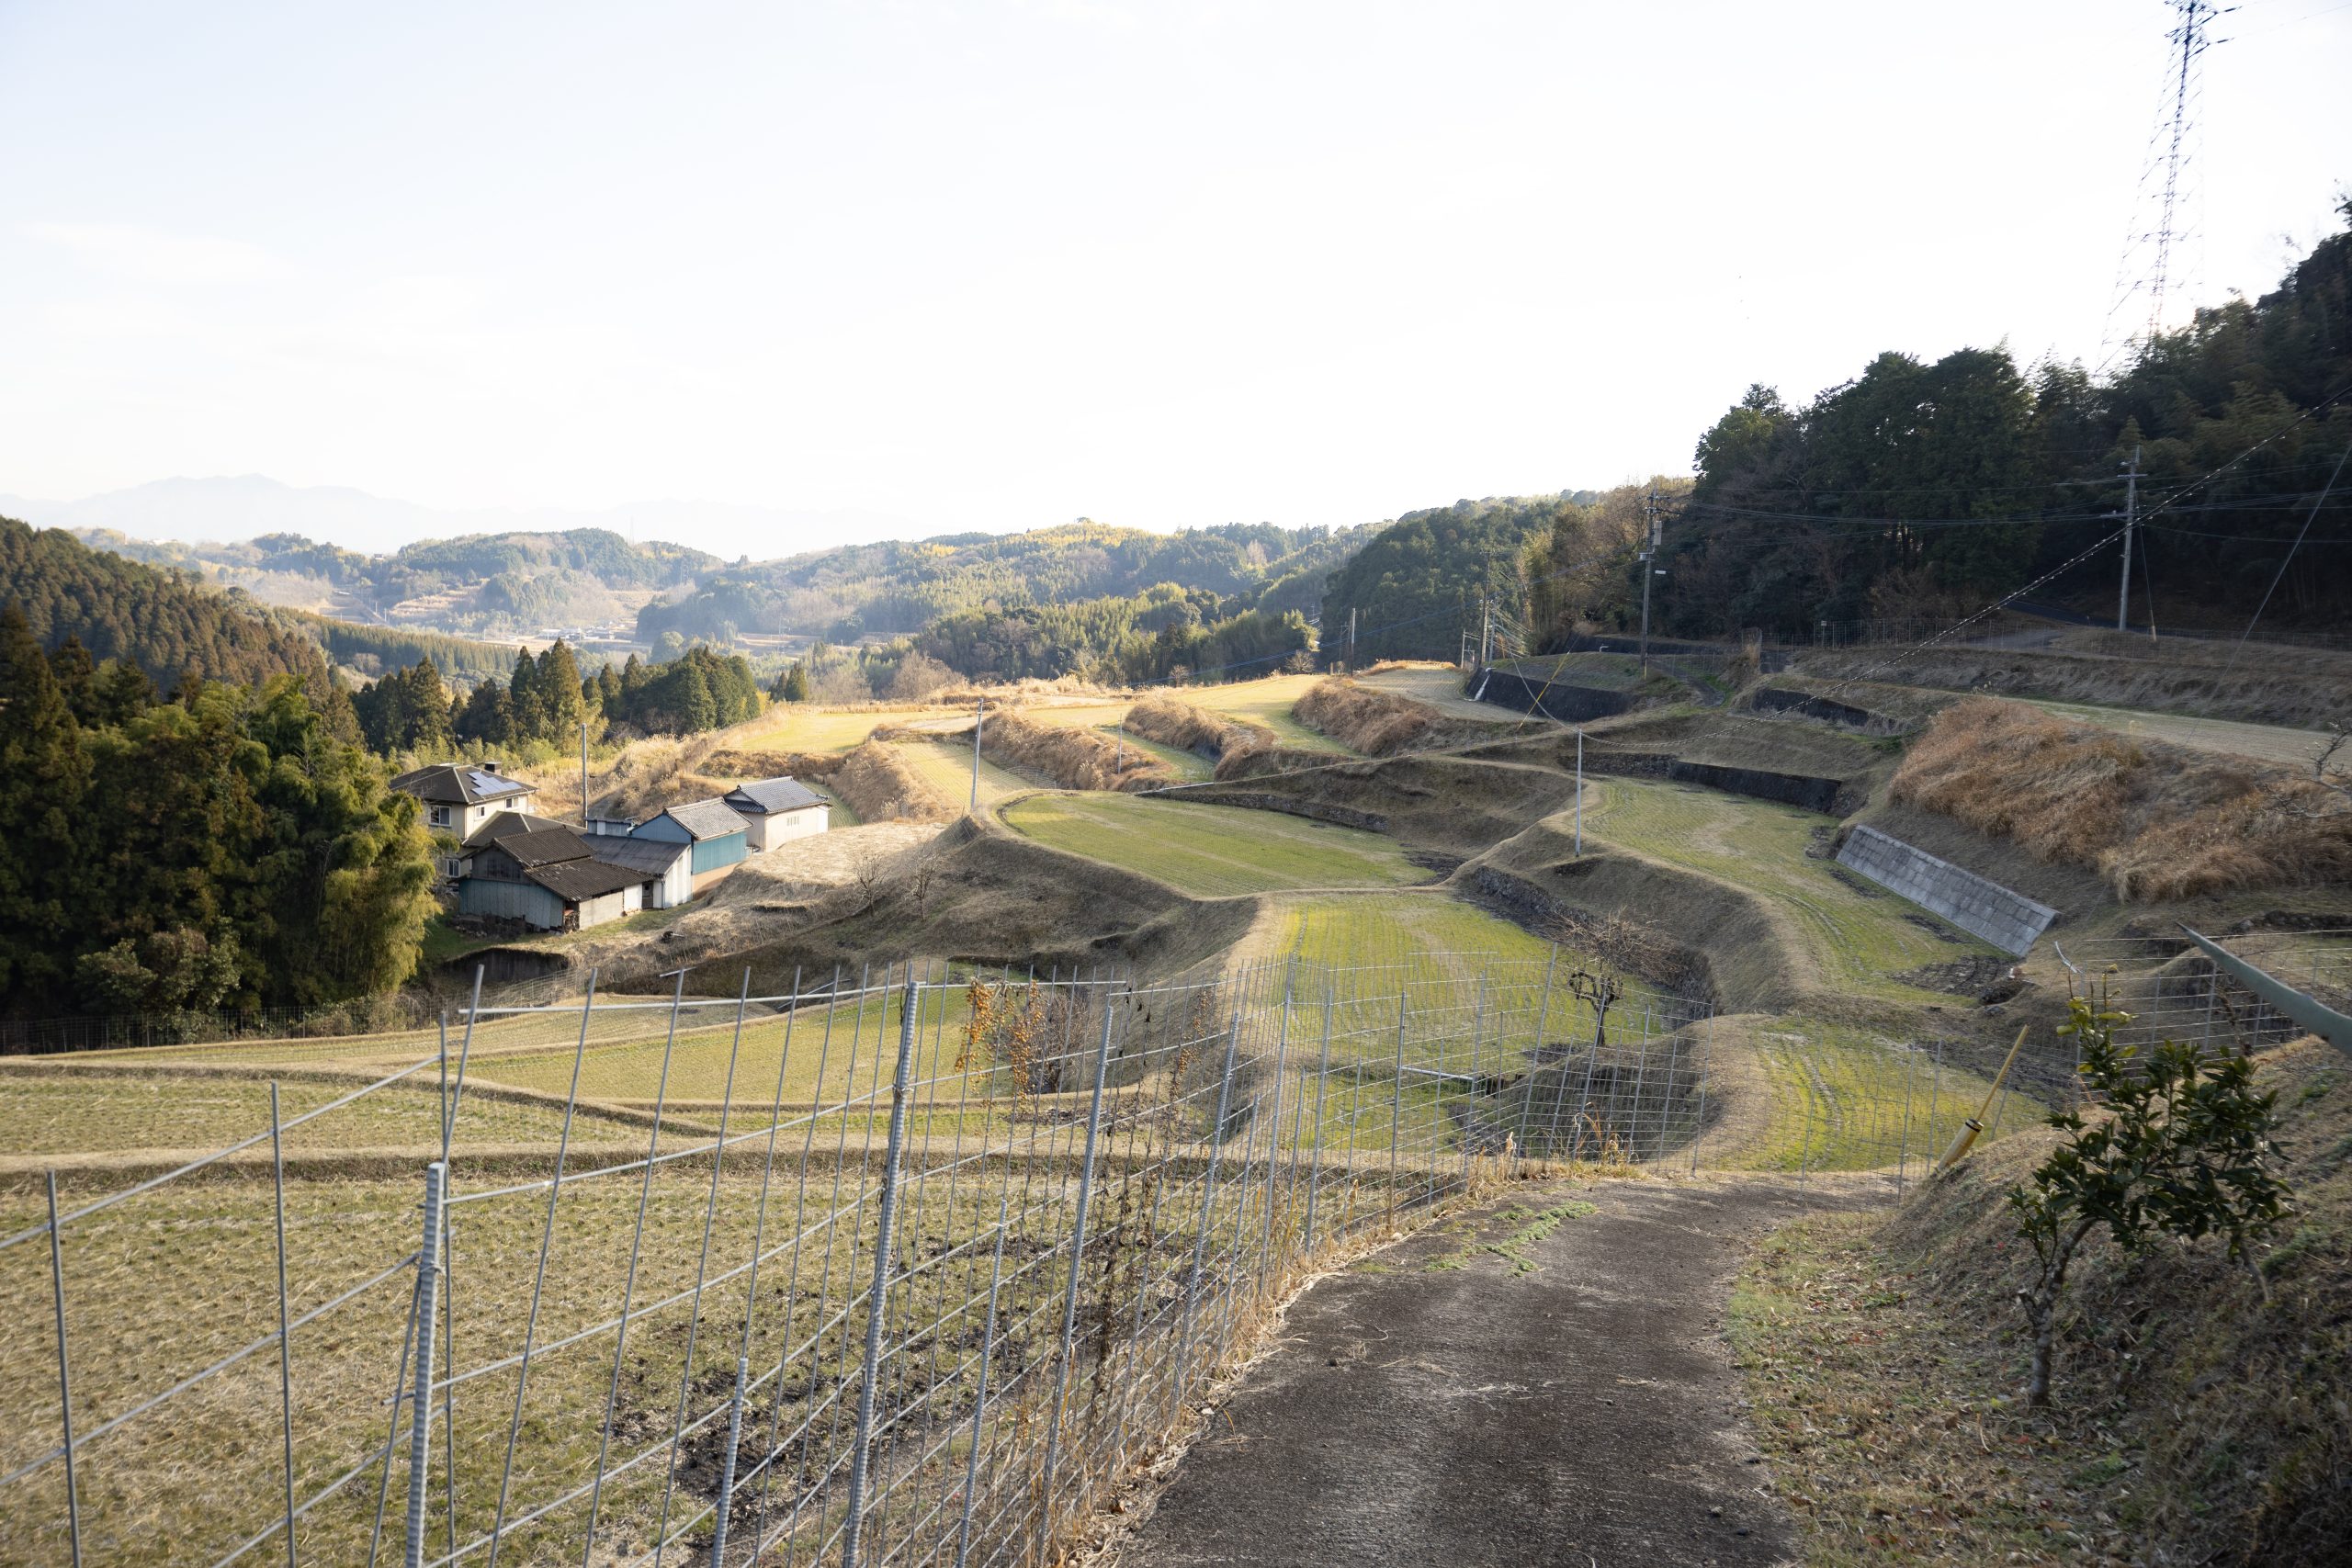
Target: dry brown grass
2157,822
1189,728
1072,756
879,783
1377,722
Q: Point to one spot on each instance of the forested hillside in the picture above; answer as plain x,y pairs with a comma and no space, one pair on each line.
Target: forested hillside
374,650
154,617
502,582
1929,487
902,587
1420,580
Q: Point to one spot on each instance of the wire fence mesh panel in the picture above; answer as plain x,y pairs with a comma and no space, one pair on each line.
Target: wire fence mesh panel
905,1264
2173,991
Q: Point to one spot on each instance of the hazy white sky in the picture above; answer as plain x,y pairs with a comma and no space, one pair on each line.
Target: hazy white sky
996,265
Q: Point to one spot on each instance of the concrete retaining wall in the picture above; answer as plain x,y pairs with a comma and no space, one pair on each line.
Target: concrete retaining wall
1775,699
2010,922
1561,703
1790,789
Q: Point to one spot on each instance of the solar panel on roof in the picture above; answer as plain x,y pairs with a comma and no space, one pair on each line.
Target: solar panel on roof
489,783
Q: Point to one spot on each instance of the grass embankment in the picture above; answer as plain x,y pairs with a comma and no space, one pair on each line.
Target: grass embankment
2273,685
1213,850
1860,939
2196,1422
1070,756
883,782
1844,1099
1367,720
2158,822
1187,726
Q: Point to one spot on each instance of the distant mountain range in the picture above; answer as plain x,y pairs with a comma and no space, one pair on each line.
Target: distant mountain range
226,509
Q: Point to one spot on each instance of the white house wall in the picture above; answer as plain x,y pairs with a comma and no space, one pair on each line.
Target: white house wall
783,826
610,907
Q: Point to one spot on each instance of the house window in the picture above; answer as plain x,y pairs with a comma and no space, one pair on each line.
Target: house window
440,817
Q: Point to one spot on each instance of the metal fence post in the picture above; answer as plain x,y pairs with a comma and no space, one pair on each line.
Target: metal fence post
727,1463
64,1377
1322,1083
1396,1105
979,1393
1209,1200
1069,1302
285,1328
420,1419
1535,1054
1706,1064
877,1306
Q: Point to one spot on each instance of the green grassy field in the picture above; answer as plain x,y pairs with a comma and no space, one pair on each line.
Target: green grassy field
1213,850
1861,940
1843,1099
946,766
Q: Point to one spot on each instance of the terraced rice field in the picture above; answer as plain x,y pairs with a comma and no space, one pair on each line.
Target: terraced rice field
946,766
1861,940
1213,850
1267,701
798,726
77,1113
1843,1099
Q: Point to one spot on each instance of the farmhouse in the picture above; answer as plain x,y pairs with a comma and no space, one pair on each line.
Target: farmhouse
775,810
718,837
459,797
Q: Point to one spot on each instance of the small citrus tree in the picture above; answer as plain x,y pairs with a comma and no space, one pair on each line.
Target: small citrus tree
2179,1146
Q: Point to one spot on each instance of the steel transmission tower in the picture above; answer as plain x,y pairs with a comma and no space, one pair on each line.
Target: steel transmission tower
2189,43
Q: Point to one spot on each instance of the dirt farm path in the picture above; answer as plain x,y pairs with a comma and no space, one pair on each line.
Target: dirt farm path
1501,1390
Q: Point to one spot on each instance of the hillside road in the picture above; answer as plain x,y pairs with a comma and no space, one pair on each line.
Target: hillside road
1542,1382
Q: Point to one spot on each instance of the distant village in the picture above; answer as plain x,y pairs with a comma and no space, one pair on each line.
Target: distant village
514,871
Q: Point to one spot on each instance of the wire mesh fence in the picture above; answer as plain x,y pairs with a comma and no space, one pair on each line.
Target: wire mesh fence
902,1265
2173,991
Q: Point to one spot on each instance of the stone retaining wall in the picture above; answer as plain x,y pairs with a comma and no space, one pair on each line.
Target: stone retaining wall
2010,922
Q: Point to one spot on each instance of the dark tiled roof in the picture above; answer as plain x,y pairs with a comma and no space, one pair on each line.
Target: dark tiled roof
575,880
706,818
452,784
506,825
650,856
768,796
548,846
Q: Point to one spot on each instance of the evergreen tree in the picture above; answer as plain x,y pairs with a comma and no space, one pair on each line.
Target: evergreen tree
44,778
488,718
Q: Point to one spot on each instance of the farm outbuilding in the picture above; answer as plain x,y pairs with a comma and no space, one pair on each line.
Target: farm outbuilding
547,879
775,810
666,866
719,838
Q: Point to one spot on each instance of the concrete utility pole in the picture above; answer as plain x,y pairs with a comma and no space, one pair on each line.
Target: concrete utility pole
1579,792
1485,632
1649,510
980,717
1351,639
583,773
2131,515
